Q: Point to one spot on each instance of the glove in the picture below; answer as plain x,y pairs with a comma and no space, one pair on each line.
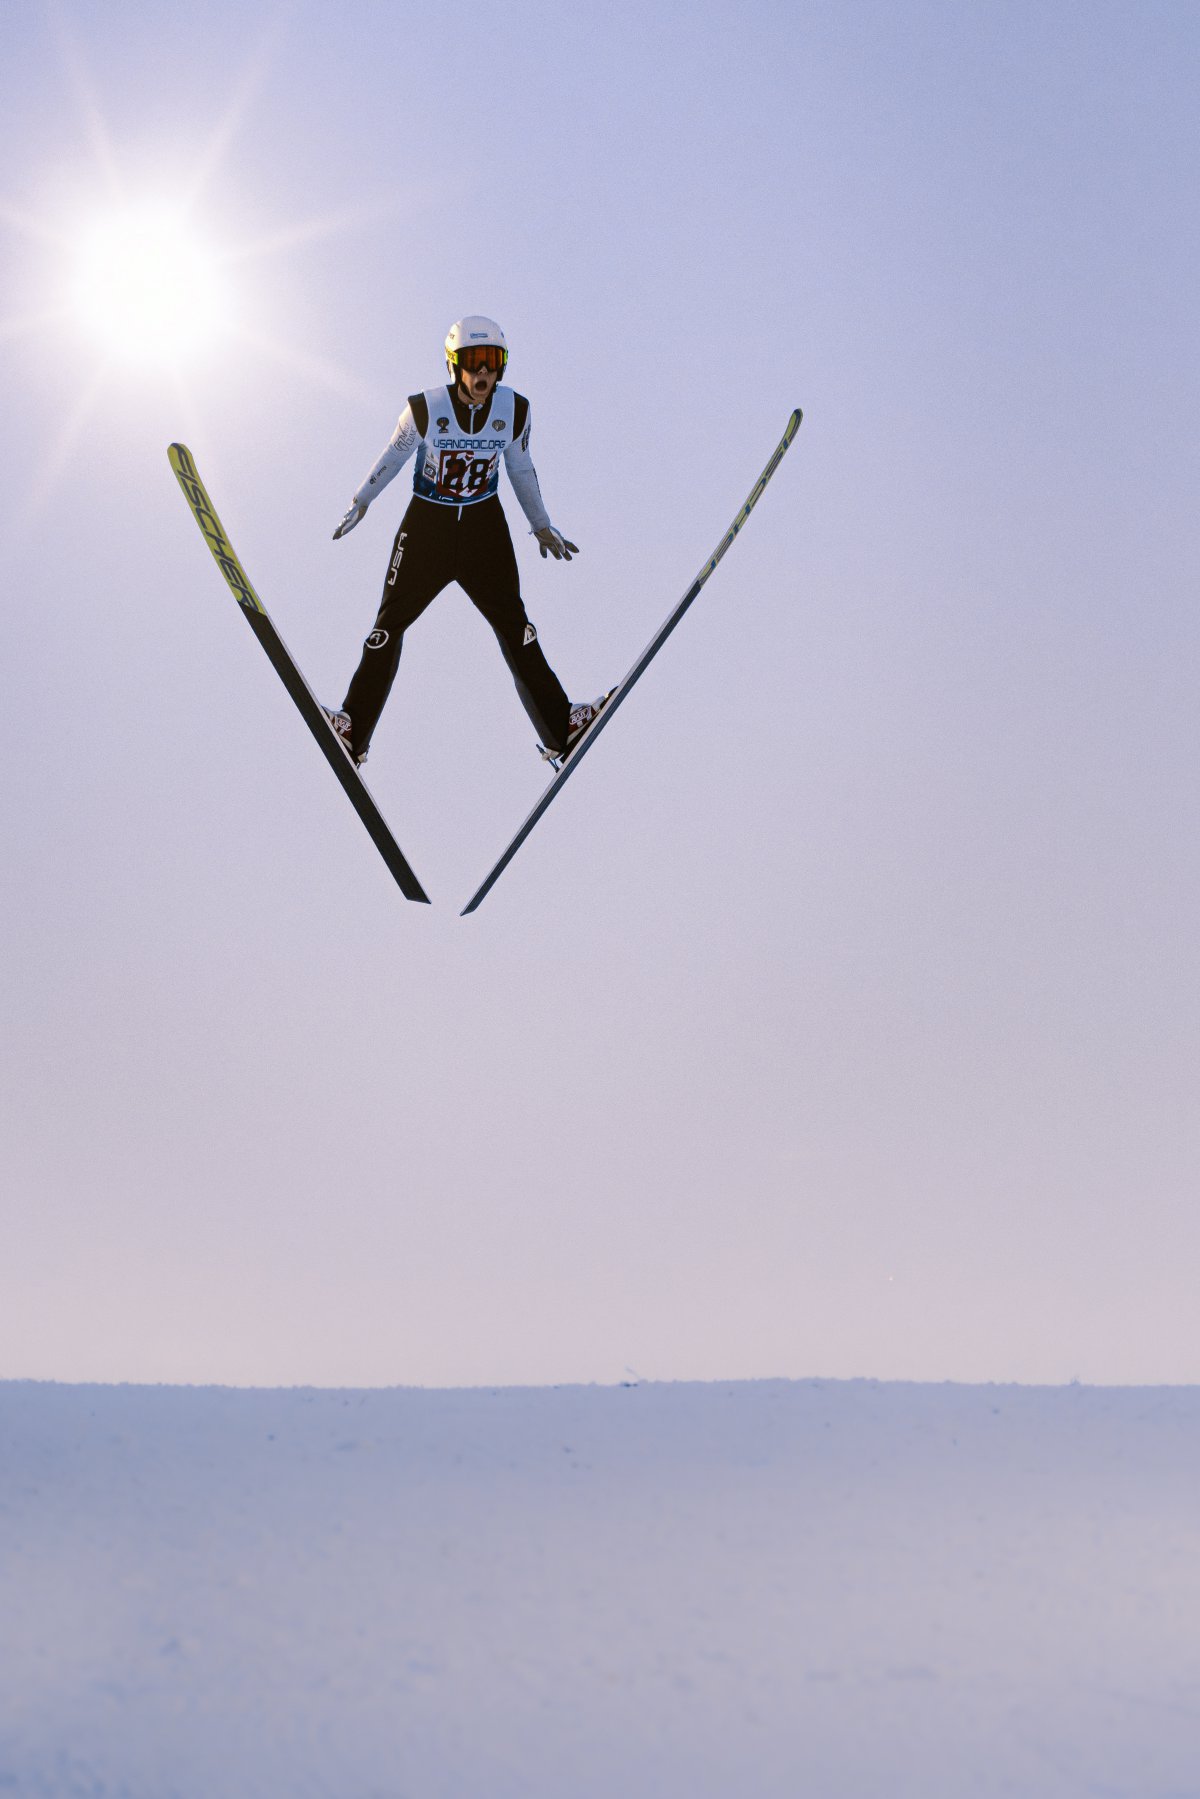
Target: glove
553,543
355,516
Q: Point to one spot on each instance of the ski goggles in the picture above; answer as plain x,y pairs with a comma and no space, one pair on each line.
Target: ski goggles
480,356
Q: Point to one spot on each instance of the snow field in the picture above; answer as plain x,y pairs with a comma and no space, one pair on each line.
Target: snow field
843,1589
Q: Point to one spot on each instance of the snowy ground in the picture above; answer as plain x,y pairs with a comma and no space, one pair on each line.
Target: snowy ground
775,1588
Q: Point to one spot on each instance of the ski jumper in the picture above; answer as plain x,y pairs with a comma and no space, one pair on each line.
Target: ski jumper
455,530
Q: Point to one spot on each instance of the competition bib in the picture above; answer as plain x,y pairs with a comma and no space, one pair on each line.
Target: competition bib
453,467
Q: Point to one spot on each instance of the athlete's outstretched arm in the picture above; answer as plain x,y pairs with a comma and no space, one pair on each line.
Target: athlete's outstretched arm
523,476
403,442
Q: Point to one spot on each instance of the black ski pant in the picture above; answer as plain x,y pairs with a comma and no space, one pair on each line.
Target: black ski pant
435,545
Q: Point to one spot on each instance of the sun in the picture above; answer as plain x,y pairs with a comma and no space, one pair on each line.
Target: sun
140,287
147,288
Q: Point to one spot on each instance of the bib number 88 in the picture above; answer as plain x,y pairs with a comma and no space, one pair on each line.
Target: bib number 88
459,474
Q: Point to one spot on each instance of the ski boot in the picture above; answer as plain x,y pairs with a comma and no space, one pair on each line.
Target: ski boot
580,720
339,724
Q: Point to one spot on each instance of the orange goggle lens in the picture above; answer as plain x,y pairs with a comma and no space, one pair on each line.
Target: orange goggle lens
480,356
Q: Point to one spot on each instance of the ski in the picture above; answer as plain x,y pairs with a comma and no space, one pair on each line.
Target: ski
308,707
571,762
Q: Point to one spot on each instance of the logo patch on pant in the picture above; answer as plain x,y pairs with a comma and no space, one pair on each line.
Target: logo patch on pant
529,637
376,640
397,559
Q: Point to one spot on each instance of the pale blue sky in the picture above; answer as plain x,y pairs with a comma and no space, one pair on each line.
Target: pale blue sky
842,1018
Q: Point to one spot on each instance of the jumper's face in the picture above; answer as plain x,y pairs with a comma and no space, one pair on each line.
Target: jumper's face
477,384
479,367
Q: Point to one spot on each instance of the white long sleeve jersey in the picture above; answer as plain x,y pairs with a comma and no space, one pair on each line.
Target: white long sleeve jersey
458,450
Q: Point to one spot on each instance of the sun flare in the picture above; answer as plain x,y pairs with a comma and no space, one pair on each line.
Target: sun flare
143,292
148,288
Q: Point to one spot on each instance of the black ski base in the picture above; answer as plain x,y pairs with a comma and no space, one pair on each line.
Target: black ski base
579,750
306,703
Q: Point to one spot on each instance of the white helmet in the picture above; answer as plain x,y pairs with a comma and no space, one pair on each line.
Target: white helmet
476,332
